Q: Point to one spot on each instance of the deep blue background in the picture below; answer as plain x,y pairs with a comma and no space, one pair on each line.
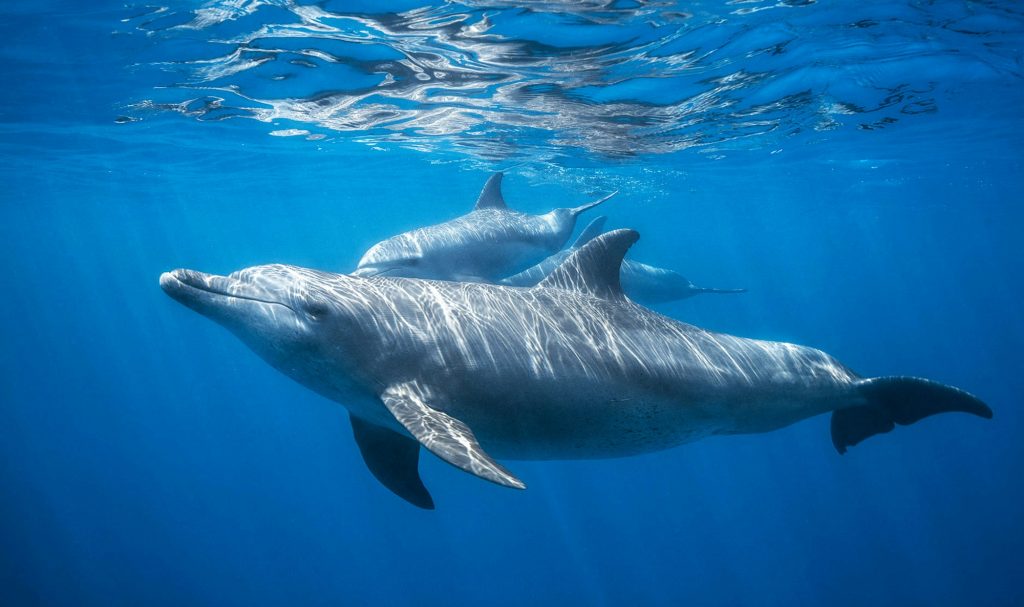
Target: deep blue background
147,457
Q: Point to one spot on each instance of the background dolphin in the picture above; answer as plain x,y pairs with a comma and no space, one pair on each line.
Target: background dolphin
490,242
643,283
568,369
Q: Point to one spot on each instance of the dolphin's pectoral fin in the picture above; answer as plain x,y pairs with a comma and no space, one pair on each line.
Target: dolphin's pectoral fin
490,196
393,459
445,436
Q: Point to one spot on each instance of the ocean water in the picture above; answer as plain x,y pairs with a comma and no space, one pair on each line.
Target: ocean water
857,166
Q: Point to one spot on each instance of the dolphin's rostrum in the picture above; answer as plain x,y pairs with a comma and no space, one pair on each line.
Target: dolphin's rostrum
570,368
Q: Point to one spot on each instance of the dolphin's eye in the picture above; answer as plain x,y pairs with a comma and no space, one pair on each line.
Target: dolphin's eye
317,309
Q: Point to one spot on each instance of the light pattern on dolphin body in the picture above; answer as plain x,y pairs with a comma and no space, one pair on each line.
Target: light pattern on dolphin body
570,368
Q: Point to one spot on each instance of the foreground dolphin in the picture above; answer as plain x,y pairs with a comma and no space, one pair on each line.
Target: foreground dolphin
484,245
648,285
568,369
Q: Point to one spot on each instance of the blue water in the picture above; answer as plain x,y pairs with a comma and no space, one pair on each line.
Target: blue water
857,166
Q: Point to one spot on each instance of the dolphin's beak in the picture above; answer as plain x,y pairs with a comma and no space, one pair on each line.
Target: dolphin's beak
365,272
181,283
371,271
181,277
185,285
218,297
212,295
202,292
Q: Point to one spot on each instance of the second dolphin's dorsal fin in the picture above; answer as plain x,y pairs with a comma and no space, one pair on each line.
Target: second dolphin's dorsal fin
594,268
589,233
490,196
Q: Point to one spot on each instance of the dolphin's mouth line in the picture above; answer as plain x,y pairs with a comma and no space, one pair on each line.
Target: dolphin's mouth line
214,291
372,272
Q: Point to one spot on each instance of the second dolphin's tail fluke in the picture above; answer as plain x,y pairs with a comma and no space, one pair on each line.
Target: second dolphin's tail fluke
898,400
590,205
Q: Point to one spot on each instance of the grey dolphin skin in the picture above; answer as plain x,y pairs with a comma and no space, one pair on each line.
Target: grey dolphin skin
490,242
645,284
570,368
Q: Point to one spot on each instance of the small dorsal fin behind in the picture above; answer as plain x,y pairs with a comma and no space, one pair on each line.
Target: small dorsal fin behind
594,268
590,232
490,196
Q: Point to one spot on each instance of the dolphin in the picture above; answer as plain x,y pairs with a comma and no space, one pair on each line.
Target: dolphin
646,284
570,368
488,243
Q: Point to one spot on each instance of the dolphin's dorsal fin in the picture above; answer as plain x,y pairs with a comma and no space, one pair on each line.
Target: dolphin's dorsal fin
594,268
590,232
490,196
445,436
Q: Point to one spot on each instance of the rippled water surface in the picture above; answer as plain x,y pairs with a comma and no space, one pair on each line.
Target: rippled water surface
547,80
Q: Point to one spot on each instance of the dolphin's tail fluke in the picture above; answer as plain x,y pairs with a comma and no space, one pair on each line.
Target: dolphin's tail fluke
700,290
898,400
591,205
